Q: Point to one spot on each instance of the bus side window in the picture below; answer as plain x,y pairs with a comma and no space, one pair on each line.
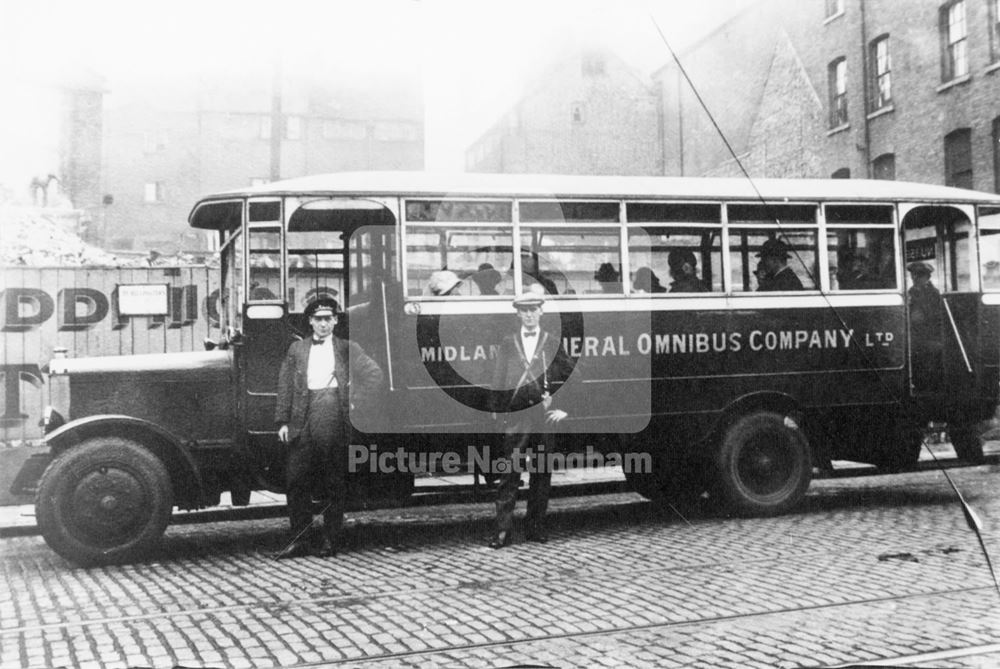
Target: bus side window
861,259
475,255
567,261
675,259
989,254
751,273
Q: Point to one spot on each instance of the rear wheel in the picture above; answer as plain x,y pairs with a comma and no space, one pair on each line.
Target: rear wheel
763,464
107,500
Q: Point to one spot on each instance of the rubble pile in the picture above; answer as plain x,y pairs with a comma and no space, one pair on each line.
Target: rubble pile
37,237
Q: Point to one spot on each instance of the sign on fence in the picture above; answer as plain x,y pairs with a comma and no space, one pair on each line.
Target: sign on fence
92,311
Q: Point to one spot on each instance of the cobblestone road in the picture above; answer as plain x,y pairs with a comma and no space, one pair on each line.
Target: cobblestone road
876,569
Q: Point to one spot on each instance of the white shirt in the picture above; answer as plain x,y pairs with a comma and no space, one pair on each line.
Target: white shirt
530,343
321,366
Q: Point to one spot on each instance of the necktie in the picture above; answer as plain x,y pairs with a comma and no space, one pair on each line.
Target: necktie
530,333
317,342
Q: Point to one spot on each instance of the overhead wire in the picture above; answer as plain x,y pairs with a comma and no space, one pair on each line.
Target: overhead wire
971,517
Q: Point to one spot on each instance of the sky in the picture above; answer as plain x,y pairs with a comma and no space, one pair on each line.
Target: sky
472,56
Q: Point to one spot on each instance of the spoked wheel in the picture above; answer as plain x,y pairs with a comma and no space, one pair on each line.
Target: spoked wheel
107,500
763,464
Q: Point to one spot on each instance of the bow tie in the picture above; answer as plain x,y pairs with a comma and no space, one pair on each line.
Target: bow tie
529,333
317,342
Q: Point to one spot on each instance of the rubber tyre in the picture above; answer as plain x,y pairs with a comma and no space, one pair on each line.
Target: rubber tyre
105,501
965,440
763,465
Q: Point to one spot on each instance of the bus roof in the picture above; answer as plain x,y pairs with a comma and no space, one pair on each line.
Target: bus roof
431,184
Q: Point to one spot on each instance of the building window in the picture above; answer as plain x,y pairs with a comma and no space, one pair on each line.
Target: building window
837,72
954,37
842,173
293,127
577,112
994,18
881,84
958,158
153,191
996,154
884,167
834,8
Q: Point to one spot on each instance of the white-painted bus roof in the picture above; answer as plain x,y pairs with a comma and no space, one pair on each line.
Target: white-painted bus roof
603,187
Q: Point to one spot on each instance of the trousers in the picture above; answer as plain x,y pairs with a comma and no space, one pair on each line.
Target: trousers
519,436
317,463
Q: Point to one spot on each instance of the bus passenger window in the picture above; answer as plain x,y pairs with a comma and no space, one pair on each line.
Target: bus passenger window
773,260
675,259
861,259
989,247
585,261
860,247
467,253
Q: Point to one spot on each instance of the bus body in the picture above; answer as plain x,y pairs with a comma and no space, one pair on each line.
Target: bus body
728,388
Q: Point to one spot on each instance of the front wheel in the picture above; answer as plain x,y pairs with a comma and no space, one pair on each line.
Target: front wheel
763,464
105,501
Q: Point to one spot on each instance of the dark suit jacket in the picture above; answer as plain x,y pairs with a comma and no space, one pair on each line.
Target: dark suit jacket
513,388
358,380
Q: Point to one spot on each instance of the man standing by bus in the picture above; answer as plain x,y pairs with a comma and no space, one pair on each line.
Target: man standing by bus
926,321
529,363
322,379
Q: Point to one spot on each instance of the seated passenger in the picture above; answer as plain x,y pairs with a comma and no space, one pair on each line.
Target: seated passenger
487,279
684,272
607,278
646,281
774,256
443,282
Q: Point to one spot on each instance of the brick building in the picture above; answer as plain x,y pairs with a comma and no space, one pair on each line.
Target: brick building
847,88
167,146
589,113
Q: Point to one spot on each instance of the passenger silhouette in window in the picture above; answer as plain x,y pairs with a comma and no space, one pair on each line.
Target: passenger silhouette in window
774,256
684,272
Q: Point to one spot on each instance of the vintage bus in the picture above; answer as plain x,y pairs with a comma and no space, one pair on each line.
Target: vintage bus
681,348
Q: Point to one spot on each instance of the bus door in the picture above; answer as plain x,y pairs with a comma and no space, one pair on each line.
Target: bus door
943,303
332,248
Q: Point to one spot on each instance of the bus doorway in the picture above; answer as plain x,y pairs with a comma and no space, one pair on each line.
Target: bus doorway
944,321
338,248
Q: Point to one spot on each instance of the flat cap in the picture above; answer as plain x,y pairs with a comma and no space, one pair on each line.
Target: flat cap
920,269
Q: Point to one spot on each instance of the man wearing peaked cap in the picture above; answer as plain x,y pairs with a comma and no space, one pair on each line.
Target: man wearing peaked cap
530,363
778,275
926,323
322,379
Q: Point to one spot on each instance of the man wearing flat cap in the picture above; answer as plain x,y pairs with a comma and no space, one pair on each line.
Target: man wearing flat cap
530,363
322,379
926,321
778,275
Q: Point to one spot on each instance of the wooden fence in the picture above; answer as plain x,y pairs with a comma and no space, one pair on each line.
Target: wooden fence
42,309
